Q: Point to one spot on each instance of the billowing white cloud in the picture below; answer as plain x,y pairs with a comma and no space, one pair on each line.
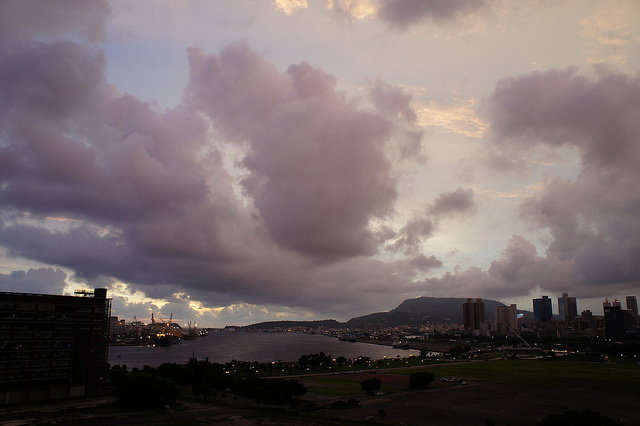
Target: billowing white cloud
317,169
290,6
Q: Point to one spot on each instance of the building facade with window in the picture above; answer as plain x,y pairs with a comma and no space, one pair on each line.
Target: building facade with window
542,310
53,346
473,313
506,318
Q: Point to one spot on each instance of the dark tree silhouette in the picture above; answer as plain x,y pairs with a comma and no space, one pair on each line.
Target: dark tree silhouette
421,380
314,360
371,385
382,413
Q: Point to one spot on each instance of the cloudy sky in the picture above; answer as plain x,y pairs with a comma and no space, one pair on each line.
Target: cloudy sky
232,162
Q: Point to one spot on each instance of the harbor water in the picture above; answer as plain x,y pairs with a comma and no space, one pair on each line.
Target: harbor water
223,346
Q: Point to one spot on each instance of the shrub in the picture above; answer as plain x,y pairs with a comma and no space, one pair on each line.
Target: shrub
421,380
371,385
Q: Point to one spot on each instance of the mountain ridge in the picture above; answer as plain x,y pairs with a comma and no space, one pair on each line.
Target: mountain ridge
411,312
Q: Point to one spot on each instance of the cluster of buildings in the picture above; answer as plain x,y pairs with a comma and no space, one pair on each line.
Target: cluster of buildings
615,324
161,333
54,346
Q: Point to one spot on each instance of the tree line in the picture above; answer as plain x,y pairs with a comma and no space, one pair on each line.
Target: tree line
163,385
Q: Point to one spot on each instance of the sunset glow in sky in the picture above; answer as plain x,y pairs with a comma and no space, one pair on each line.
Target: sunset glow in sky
232,162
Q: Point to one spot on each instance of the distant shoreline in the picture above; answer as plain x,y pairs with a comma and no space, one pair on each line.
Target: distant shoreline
433,347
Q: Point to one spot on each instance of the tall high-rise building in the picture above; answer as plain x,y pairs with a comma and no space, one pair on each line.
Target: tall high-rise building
473,313
632,305
506,320
567,307
53,346
614,320
561,305
542,310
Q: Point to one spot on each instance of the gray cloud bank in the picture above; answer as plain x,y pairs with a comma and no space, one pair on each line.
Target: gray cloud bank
400,14
105,185
593,220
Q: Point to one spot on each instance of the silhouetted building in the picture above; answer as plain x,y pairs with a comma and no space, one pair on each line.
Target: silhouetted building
473,313
632,305
567,307
53,346
542,310
506,320
614,320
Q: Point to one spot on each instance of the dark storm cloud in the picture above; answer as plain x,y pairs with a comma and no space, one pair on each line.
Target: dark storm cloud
41,280
594,219
516,272
416,230
460,201
562,108
392,99
79,149
143,196
395,103
21,20
318,172
401,14
114,190
423,226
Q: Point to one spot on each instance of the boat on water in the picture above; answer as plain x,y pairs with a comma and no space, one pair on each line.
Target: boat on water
193,332
169,333
166,340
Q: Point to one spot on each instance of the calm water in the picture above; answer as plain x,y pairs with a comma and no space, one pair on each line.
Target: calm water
242,346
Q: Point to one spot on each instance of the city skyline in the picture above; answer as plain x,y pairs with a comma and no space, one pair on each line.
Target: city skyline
239,162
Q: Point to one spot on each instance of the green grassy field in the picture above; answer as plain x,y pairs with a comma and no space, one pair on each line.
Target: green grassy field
333,386
557,373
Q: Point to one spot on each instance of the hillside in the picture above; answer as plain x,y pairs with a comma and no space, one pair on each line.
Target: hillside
410,312
422,309
268,325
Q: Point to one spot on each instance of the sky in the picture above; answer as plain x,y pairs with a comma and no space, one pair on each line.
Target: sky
232,162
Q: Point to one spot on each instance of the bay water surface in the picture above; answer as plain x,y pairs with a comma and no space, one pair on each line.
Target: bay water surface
225,346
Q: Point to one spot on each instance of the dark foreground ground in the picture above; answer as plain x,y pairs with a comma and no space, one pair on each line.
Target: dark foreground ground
441,404
476,402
